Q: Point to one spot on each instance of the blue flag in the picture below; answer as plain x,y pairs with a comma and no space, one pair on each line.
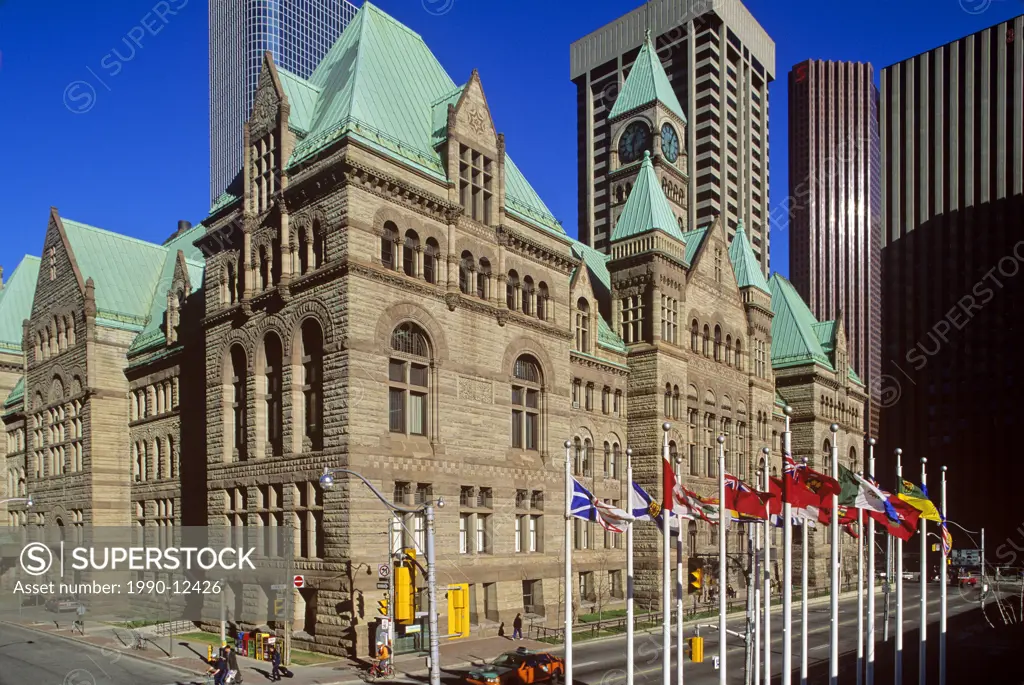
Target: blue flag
643,506
584,505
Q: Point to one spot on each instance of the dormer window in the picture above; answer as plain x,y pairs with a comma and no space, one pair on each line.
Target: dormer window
265,181
476,184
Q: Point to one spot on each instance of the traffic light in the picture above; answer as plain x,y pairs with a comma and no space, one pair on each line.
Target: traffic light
696,576
382,606
458,610
404,595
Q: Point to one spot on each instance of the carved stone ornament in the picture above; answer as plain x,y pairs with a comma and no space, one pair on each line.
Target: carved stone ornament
264,109
476,121
452,300
502,316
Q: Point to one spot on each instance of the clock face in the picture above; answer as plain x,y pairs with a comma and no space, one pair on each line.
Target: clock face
669,143
634,142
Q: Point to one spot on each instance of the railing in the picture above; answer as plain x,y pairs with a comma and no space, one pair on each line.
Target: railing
173,628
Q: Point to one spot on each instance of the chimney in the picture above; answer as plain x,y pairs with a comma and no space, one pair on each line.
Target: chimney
183,226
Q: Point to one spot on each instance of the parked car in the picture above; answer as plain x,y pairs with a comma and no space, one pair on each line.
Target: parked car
967,580
63,603
518,668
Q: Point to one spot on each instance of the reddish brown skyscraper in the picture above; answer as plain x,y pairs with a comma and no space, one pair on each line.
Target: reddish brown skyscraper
834,202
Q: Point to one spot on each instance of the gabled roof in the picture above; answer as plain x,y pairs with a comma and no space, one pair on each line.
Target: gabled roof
153,333
744,263
302,98
596,263
826,332
17,393
646,208
16,302
124,270
794,340
381,84
646,83
693,241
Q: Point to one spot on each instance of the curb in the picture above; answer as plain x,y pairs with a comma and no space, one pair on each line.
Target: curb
137,657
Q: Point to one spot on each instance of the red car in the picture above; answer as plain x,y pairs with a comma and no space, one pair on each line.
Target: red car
967,580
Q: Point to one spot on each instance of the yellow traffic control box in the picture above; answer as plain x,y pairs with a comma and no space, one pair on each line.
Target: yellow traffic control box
697,650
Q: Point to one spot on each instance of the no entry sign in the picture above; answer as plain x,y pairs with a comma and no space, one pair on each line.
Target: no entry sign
299,581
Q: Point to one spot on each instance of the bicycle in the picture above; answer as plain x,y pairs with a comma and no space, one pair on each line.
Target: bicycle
376,671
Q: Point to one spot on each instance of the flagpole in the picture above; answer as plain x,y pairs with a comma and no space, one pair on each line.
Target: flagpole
723,517
899,586
787,566
803,598
943,579
629,572
666,573
680,584
922,667
767,575
568,565
860,595
833,662
869,670
755,543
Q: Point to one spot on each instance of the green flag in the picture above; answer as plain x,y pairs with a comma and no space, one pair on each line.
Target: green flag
918,498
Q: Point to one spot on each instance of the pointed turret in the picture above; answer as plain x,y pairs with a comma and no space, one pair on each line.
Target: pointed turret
744,263
647,82
647,208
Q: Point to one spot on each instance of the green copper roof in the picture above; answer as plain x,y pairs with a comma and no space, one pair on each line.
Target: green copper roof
693,240
124,270
153,333
826,332
744,263
302,98
380,83
608,338
646,83
17,394
646,208
596,263
780,401
794,340
16,302
223,201
854,377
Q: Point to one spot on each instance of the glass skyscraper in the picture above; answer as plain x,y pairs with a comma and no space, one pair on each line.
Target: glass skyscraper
298,33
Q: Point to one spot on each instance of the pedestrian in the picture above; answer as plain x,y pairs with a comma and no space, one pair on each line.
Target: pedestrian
232,661
275,661
219,670
517,628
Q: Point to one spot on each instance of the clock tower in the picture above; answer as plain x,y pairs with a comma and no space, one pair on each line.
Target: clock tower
647,118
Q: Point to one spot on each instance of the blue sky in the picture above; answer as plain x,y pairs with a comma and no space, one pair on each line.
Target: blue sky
138,159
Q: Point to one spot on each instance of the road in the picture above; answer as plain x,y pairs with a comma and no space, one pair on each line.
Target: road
31,658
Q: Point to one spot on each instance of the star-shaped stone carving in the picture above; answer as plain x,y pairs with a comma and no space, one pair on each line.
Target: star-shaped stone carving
476,121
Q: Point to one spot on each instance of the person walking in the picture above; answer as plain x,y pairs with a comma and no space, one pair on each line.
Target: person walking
275,662
219,670
232,660
517,628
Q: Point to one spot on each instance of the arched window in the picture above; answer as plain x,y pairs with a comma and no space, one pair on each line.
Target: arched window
673,453
264,268
273,379
588,458
387,245
232,284
410,250
319,245
739,356
312,388
466,267
675,402
583,325
706,341
512,289
718,343
616,465
430,260
694,335
528,294
409,379
526,403
542,301
607,458
577,462
853,459
483,279
728,350
158,458
238,397
826,461
668,401
302,252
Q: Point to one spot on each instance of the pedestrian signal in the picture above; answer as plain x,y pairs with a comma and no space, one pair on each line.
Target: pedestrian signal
382,607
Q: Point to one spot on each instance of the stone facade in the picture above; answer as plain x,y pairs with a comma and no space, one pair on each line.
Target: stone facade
352,311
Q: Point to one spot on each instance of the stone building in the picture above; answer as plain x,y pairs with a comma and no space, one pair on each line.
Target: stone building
381,289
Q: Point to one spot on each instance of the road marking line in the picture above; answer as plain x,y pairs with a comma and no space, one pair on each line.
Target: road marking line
585,663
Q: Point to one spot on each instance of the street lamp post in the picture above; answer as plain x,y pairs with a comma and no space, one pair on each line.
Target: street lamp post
833,670
767,575
427,508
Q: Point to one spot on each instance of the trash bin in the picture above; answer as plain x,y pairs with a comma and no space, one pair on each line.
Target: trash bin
697,650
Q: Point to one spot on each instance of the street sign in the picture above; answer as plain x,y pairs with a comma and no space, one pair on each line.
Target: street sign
383,585
384,571
414,628
279,587
298,581
385,625
966,557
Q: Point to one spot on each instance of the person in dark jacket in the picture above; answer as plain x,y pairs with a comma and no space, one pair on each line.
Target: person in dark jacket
219,669
232,660
517,628
275,661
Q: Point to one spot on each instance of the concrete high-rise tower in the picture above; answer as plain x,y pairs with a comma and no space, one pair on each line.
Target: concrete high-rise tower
297,33
719,62
835,198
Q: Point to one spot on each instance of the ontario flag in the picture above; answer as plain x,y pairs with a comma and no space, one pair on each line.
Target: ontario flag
745,500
